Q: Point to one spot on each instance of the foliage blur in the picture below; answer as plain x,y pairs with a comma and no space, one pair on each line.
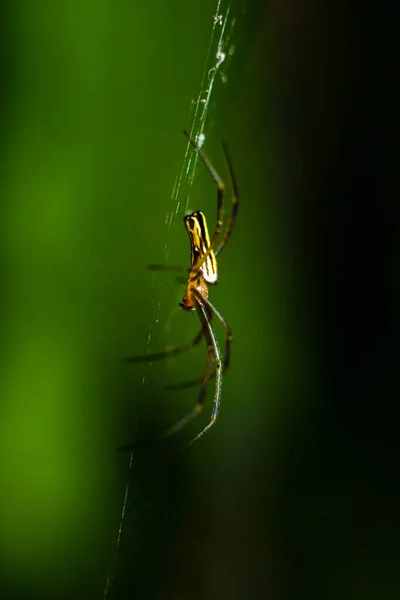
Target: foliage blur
295,491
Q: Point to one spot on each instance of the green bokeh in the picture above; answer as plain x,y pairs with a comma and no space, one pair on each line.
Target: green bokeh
94,100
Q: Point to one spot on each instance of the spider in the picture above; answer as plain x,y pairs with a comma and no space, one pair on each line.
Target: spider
203,272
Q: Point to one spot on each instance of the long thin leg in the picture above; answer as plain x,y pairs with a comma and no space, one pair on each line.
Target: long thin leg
174,351
166,353
212,340
235,202
199,404
213,353
227,353
228,334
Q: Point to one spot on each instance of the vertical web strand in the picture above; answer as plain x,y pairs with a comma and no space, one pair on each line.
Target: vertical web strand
215,57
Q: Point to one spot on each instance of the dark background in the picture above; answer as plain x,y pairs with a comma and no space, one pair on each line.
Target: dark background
295,492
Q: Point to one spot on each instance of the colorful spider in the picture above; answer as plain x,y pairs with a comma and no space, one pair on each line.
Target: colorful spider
203,272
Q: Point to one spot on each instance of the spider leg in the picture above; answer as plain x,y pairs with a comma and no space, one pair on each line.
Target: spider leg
228,335
199,404
166,353
235,203
227,355
193,413
204,331
184,384
213,354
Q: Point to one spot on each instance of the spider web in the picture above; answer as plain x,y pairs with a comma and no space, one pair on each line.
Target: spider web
219,49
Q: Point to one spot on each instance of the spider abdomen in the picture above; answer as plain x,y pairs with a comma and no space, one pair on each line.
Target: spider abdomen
196,226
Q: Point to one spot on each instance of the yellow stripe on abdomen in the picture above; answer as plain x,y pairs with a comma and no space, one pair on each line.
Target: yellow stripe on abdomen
196,226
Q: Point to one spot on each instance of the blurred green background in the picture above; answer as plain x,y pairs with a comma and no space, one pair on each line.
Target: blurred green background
293,493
